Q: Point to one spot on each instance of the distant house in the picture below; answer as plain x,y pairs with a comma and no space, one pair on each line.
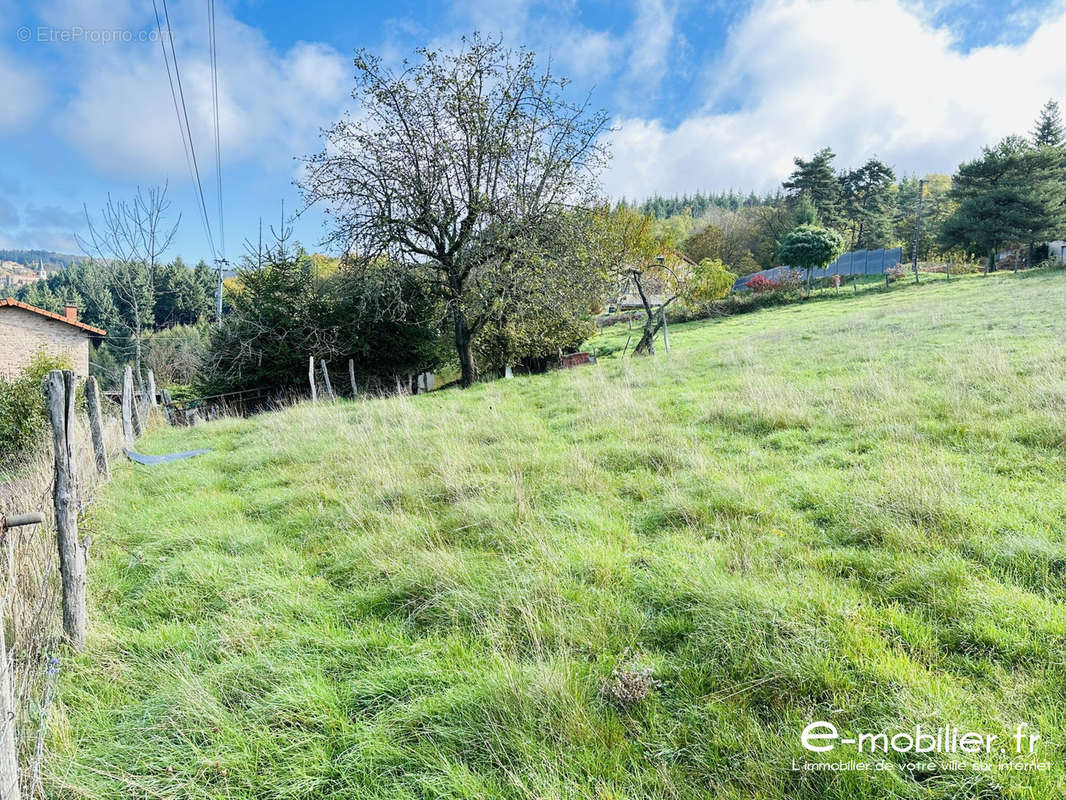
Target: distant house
655,286
26,330
13,275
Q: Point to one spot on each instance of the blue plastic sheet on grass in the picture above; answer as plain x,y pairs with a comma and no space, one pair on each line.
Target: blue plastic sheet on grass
141,458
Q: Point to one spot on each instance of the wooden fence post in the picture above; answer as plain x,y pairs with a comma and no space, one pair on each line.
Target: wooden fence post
351,377
168,412
151,388
140,412
9,769
311,378
127,406
325,379
96,425
9,782
59,397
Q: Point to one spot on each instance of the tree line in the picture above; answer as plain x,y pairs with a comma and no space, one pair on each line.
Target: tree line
1009,198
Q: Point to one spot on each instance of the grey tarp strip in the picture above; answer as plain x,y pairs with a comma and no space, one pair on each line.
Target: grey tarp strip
141,458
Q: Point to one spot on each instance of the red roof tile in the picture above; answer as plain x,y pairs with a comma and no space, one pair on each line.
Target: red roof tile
13,303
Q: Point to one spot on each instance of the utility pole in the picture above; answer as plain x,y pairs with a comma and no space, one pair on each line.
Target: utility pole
220,262
918,226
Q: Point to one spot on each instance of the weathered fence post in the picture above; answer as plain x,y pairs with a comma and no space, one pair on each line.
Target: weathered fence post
311,378
96,425
140,410
127,406
351,377
9,779
9,765
151,388
325,379
168,411
59,397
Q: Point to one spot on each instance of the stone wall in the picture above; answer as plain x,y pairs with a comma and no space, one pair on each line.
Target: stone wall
23,333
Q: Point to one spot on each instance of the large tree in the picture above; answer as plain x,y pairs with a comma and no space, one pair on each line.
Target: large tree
817,180
867,197
456,169
1013,193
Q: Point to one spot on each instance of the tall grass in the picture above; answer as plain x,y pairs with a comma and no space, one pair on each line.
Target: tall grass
843,510
31,590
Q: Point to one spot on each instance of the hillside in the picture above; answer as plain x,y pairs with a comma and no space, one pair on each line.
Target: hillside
848,510
51,261
22,267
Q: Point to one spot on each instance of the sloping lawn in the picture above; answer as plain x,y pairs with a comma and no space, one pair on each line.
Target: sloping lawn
850,510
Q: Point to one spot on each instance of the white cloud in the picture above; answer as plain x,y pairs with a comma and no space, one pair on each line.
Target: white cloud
649,43
24,93
862,76
585,55
271,105
88,14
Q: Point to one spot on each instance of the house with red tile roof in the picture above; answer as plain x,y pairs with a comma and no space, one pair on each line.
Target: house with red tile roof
26,330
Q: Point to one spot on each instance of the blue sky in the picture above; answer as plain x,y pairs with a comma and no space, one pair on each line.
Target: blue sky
711,95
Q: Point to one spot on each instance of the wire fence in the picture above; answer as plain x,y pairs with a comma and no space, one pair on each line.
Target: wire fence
31,596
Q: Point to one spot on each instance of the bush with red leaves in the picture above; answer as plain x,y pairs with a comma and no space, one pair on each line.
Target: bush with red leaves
760,283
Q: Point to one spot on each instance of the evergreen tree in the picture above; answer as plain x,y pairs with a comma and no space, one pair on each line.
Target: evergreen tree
1013,193
1049,131
817,180
867,196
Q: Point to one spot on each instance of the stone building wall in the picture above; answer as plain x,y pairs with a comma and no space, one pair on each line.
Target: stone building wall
23,333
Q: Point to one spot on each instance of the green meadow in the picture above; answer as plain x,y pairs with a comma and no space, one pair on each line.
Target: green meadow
637,579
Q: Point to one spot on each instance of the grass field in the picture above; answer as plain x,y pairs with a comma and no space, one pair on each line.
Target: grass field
849,510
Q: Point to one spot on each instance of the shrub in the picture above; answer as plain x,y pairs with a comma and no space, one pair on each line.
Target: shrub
175,355
760,283
23,422
896,273
711,281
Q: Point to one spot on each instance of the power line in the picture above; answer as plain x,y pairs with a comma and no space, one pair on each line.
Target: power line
220,259
218,140
177,110
183,115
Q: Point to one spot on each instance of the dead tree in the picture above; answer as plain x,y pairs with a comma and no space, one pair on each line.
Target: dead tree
127,242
